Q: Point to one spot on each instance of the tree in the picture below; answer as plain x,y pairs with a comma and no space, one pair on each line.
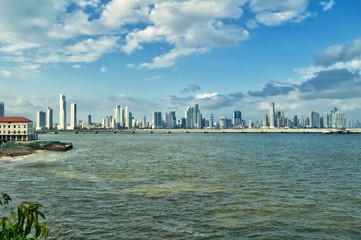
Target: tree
24,223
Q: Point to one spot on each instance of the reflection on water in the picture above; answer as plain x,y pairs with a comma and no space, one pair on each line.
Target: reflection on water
195,186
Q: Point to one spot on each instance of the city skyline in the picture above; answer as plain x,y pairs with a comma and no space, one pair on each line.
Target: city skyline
192,119
150,55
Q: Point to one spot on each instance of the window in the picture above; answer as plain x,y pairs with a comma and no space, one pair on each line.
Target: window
8,126
24,131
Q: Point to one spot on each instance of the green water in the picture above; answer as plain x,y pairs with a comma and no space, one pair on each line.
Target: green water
195,186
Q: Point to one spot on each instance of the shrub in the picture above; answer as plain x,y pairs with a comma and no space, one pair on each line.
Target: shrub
22,224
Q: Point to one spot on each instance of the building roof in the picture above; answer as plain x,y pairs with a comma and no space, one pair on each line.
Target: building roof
14,120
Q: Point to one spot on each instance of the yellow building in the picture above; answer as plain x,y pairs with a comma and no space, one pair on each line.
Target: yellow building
16,129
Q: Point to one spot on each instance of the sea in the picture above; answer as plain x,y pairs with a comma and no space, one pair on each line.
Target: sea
194,186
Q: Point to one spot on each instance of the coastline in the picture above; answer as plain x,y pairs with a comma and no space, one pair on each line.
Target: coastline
206,130
8,158
19,150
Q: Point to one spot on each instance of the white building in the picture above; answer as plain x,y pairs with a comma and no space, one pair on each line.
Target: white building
62,112
189,116
40,120
16,129
49,118
116,116
272,115
73,116
127,118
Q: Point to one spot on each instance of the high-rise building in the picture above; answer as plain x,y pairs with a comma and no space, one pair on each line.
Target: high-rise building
237,118
73,115
189,115
128,118
49,118
2,109
173,119
157,120
199,120
89,119
116,116
62,112
265,120
272,115
314,119
40,120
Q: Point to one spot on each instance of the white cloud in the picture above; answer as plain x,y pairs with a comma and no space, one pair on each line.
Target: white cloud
103,69
169,59
274,12
327,5
6,73
192,27
30,67
45,31
77,66
207,95
88,50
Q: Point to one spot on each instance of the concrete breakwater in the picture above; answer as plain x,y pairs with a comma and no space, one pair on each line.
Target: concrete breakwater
14,149
246,130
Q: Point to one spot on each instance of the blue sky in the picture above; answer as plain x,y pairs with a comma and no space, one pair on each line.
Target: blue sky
164,55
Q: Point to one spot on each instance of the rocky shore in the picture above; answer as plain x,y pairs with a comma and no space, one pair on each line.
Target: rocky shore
16,149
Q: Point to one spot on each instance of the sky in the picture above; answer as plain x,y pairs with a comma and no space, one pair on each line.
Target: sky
163,55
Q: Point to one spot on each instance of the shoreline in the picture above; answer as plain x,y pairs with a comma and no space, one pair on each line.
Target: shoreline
13,150
7,159
245,130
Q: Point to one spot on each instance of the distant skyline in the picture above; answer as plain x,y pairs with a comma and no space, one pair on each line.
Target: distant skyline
165,55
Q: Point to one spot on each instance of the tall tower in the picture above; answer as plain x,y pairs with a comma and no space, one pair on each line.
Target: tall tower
127,118
62,112
272,115
122,119
73,116
2,109
40,120
116,116
49,118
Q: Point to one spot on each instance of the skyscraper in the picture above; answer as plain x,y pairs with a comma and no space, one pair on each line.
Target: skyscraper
157,120
237,118
40,120
2,109
49,118
127,118
116,116
122,119
272,115
189,116
62,112
73,116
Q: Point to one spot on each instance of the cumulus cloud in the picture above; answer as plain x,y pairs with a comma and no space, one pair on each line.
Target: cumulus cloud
339,53
85,30
333,79
191,88
273,89
327,5
6,73
273,12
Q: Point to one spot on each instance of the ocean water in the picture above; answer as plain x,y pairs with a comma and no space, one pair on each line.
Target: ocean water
194,186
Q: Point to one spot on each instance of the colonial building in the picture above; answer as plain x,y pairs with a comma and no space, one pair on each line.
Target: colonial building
16,129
